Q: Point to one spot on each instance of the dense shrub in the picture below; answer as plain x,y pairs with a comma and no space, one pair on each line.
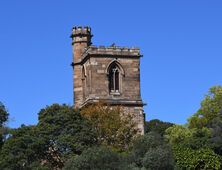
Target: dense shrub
196,159
96,158
149,151
157,126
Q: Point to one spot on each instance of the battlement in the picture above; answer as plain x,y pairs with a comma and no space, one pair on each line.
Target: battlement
81,35
81,31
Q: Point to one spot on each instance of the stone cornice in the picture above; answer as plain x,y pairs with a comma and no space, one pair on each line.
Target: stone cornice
111,51
114,102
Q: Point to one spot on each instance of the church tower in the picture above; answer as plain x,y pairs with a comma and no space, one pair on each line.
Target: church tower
108,74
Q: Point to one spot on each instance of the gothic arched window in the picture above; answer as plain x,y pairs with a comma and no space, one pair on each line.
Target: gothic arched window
114,78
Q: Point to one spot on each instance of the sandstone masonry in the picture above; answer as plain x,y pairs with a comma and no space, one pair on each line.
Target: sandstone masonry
109,74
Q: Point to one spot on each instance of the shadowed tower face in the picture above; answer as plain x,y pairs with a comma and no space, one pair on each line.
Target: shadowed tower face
109,74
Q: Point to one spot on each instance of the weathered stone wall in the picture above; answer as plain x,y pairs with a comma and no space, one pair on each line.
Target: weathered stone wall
97,84
97,78
139,116
81,39
91,82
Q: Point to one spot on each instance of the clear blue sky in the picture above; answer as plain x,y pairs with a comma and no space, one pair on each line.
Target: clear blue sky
181,41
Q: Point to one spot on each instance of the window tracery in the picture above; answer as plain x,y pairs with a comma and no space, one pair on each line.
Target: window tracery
114,78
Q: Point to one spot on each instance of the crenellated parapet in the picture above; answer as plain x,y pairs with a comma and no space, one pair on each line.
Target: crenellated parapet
81,34
81,30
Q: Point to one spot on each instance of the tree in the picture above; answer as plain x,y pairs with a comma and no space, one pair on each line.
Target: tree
22,149
113,127
65,133
177,134
151,152
96,158
157,126
216,138
211,108
197,145
192,148
60,134
158,158
210,116
203,158
3,114
3,119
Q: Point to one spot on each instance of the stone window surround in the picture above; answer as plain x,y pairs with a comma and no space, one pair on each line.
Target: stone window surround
121,75
114,79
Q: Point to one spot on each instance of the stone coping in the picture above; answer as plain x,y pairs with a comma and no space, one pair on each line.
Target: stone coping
110,51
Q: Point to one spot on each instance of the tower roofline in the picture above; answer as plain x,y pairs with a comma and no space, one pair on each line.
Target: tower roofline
76,31
116,51
81,35
110,50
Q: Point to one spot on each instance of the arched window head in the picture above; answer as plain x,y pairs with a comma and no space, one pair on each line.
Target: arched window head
114,78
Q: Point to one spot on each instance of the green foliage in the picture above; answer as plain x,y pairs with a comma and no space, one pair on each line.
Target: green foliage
157,126
211,108
21,149
3,119
3,114
158,158
148,150
113,127
65,129
216,139
177,134
200,139
193,138
96,158
187,158
103,137
65,133
191,147
197,145
209,116
60,134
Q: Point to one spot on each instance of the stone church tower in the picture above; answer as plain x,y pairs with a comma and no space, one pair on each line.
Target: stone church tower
108,74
